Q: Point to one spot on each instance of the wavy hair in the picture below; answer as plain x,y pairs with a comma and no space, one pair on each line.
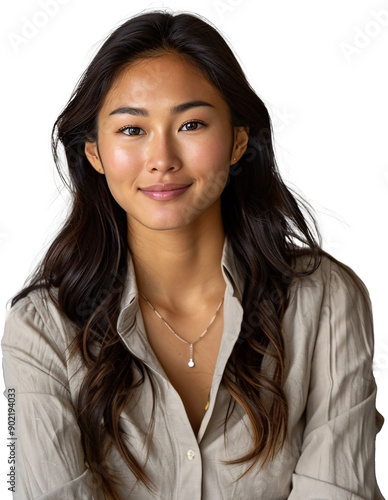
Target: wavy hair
86,263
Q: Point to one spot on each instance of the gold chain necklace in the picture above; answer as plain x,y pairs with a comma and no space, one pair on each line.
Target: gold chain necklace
191,363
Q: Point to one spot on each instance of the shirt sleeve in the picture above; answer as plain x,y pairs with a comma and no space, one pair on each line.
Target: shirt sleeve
49,456
337,460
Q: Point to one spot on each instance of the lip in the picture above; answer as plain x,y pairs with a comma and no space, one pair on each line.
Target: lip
164,187
165,192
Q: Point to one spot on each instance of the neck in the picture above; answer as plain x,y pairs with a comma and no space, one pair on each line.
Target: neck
180,267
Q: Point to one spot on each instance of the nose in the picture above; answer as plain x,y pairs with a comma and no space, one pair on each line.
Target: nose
162,155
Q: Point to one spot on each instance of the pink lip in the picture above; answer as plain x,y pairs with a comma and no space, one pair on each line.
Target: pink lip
165,192
164,187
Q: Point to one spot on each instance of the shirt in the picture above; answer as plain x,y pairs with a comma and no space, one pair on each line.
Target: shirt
329,452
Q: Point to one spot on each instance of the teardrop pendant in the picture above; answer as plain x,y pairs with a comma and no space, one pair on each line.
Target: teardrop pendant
191,361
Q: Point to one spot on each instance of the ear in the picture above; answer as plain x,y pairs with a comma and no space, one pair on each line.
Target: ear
91,152
240,144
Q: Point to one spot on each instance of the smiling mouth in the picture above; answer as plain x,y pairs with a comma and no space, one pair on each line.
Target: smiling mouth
165,192
157,188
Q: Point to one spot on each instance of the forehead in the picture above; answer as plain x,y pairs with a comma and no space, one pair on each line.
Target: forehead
166,77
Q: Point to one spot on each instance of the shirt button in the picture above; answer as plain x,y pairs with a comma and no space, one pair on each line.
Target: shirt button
190,455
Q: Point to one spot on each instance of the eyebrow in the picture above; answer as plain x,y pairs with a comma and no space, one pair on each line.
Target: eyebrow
180,108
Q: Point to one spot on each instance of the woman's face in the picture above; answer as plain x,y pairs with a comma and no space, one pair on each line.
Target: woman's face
165,143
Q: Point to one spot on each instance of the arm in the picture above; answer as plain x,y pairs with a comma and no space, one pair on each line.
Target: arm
49,456
338,450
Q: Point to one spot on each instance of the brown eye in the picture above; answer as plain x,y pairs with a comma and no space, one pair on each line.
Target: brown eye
132,131
193,125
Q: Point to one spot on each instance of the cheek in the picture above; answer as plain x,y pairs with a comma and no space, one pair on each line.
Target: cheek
219,155
120,172
214,158
213,170
119,164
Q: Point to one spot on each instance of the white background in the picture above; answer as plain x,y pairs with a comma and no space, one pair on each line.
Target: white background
321,67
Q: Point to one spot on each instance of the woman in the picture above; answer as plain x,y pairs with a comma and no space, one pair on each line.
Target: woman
185,336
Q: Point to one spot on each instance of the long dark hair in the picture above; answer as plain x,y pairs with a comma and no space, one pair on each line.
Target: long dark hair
87,262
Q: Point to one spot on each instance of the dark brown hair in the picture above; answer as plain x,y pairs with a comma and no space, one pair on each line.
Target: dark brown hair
87,262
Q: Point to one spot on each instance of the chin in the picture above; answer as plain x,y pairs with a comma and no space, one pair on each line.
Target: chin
176,219
159,224
166,226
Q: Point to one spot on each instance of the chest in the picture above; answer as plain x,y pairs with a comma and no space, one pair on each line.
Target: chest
193,383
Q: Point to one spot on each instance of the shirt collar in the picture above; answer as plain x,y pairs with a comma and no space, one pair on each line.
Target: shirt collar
231,270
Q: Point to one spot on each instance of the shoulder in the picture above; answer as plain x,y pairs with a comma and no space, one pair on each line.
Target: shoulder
37,317
331,279
330,305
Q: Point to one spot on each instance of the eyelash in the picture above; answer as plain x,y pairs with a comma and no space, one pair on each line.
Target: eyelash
194,121
198,122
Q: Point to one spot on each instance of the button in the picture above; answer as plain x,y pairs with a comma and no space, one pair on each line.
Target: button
190,455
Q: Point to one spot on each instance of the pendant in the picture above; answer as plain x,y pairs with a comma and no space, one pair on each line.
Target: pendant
191,362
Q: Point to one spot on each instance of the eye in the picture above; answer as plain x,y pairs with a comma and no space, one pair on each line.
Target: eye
130,130
192,125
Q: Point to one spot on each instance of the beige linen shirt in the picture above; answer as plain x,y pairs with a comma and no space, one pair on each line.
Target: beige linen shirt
330,449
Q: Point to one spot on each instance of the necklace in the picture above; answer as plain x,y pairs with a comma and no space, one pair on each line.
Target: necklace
191,363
